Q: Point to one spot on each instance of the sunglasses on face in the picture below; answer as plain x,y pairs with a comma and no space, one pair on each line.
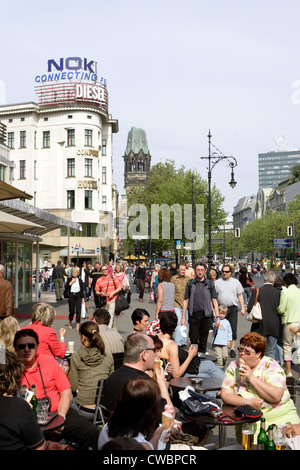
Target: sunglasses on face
225,271
245,351
23,345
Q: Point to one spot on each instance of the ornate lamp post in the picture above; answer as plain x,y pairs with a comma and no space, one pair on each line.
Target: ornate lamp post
213,159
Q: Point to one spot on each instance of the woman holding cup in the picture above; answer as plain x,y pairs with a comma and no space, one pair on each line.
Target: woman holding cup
259,382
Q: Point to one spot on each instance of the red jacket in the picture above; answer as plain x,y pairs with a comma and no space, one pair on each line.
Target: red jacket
48,342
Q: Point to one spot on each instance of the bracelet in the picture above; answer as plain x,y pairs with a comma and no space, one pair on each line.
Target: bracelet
62,338
246,401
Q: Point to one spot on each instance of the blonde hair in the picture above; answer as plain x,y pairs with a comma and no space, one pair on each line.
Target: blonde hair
223,309
44,313
8,328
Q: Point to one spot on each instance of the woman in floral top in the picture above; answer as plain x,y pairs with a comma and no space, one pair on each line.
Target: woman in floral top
259,382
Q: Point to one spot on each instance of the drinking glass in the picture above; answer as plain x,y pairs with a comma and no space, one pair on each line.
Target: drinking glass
247,436
42,411
279,437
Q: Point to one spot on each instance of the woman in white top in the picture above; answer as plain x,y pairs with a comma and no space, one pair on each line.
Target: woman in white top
136,415
74,287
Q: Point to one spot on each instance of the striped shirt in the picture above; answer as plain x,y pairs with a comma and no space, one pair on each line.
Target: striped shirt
107,285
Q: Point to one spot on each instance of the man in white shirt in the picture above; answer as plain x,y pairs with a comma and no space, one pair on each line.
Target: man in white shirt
230,293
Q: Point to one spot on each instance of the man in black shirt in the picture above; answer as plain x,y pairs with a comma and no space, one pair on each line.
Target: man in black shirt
140,276
94,276
139,355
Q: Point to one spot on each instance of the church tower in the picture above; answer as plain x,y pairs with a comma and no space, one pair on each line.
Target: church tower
137,159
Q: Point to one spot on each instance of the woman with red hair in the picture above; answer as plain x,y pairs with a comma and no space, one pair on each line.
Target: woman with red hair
259,382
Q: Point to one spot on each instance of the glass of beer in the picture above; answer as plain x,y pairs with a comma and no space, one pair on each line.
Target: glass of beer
279,437
247,436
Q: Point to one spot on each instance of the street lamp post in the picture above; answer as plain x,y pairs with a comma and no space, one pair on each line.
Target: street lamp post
213,159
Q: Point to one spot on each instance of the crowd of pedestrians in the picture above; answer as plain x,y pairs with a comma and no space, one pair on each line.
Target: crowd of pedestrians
191,302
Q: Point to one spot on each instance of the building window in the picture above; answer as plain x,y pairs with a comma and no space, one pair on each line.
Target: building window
71,199
34,169
11,140
46,139
104,203
22,169
22,139
88,137
88,167
103,147
71,167
104,175
88,199
71,137
2,172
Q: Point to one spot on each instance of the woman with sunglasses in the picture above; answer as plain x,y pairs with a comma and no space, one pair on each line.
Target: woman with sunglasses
260,382
19,429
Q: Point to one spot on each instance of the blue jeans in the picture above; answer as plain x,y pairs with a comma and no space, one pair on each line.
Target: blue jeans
178,338
271,347
208,369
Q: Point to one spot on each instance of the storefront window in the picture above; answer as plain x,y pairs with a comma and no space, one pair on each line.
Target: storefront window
8,260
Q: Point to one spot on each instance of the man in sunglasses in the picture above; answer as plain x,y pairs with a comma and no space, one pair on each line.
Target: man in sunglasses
230,294
50,381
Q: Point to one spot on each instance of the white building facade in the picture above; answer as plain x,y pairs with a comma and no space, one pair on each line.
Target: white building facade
61,148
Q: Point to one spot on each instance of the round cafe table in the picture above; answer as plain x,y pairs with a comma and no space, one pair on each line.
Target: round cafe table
214,421
207,384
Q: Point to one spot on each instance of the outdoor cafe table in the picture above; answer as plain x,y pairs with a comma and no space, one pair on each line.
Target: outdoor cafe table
207,384
213,421
55,423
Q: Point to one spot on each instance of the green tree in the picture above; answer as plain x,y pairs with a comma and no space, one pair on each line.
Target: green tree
171,186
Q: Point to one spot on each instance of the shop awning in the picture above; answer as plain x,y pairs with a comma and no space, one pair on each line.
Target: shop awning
45,220
10,192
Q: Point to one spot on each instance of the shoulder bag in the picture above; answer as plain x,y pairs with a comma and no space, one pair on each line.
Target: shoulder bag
255,314
121,302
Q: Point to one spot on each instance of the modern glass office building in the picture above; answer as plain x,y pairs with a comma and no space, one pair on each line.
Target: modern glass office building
273,167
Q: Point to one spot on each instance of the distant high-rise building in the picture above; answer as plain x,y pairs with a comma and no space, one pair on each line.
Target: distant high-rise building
137,159
274,167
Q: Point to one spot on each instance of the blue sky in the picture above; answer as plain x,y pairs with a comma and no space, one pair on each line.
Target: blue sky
175,69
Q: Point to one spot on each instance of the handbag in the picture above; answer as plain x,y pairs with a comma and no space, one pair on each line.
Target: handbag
199,404
83,310
255,314
247,411
121,303
152,298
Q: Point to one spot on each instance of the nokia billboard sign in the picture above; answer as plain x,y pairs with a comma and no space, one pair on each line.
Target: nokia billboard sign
72,69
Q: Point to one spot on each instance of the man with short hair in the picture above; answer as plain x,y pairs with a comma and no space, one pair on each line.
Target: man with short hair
269,326
50,381
108,286
7,307
140,319
201,299
113,341
58,275
230,293
180,281
139,355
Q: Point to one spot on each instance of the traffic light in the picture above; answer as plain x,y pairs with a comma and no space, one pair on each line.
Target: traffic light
129,253
290,231
237,232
